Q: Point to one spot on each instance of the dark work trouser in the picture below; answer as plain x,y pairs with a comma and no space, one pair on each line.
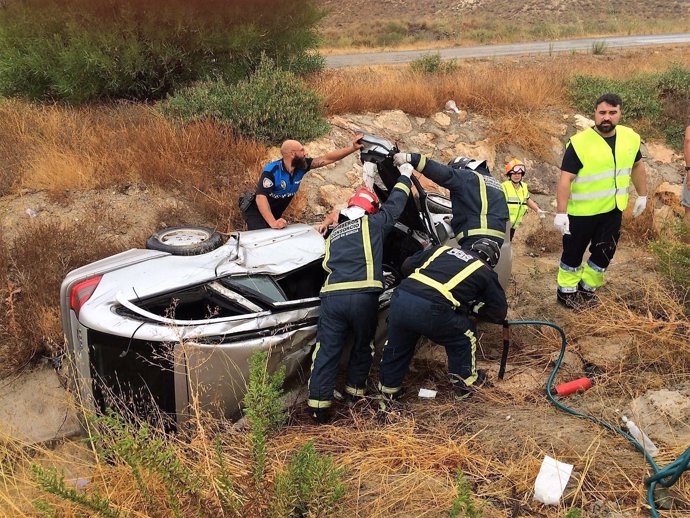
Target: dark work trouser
412,316
253,218
342,314
601,233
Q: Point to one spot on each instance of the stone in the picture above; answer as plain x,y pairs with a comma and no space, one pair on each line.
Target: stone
451,137
606,352
35,408
441,119
333,195
395,121
462,116
481,150
663,415
422,141
661,153
582,122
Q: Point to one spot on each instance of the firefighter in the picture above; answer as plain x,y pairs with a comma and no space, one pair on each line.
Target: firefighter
479,205
350,294
439,300
517,195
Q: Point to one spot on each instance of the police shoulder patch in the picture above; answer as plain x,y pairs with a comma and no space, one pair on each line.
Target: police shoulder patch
283,185
267,183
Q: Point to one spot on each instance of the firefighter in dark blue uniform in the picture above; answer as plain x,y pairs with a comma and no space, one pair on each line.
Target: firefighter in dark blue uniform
479,205
280,181
439,300
349,297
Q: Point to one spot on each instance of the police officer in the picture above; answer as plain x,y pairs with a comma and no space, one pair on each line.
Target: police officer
349,297
280,181
448,287
479,205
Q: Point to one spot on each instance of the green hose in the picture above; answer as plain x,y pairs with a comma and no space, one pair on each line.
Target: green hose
666,476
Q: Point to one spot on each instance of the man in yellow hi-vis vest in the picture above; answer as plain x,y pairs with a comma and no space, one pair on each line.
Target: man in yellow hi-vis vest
592,194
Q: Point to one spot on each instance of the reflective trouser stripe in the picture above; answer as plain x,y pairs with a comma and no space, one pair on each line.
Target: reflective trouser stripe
473,341
593,276
355,391
568,278
389,390
313,359
315,403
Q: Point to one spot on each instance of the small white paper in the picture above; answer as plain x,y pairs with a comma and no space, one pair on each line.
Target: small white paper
427,393
551,481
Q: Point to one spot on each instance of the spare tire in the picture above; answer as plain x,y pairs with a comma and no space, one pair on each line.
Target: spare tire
438,204
185,240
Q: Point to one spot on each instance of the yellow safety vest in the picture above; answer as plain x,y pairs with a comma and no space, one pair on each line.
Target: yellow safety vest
603,183
517,201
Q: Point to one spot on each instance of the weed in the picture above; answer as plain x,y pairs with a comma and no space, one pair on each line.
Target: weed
310,486
463,506
229,498
432,64
270,106
145,452
573,512
673,263
599,47
263,408
51,482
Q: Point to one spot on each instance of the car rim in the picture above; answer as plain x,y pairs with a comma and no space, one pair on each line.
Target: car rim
184,237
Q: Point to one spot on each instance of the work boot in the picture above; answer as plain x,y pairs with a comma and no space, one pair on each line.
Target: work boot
568,300
320,415
464,391
586,298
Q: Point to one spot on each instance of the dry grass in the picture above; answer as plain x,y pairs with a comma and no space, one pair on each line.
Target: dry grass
60,149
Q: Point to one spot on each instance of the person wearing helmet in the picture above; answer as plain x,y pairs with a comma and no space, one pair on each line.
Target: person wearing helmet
350,294
517,195
449,287
479,205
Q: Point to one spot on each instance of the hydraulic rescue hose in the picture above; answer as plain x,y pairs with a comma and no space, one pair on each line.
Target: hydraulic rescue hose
666,476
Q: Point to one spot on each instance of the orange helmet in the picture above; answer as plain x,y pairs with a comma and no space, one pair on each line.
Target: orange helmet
364,199
515,165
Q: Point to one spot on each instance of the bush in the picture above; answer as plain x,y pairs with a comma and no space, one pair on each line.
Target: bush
662,100
673,263
433,64
311,485
85,50
272,105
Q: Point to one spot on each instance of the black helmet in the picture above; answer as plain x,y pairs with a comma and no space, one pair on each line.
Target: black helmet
463,162
488,250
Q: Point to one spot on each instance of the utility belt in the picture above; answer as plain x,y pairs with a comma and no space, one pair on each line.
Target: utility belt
245,201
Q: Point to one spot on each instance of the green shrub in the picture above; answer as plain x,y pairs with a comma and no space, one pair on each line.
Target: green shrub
311,486
673,263
393,33
599,47
263,408
662,100
85,50
463,504
433,64
270,106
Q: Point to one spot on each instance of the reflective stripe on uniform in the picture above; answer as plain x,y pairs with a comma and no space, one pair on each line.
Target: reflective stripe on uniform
600,194
482,232
404,188
485,203
355,391
446,288
315,403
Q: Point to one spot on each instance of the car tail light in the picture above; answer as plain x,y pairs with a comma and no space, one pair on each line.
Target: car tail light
82,291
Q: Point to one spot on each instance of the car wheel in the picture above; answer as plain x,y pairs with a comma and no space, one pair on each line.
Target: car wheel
438,204
185,240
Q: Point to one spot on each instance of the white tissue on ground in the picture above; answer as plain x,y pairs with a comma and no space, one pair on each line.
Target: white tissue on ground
551,481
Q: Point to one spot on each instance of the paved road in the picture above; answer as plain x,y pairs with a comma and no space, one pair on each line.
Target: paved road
487,51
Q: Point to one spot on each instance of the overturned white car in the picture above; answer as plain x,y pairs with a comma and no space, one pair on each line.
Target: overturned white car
174,326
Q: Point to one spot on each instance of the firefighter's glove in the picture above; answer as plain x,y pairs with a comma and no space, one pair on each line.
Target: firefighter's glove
542,213
640,206
561,222
401,158
405,169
